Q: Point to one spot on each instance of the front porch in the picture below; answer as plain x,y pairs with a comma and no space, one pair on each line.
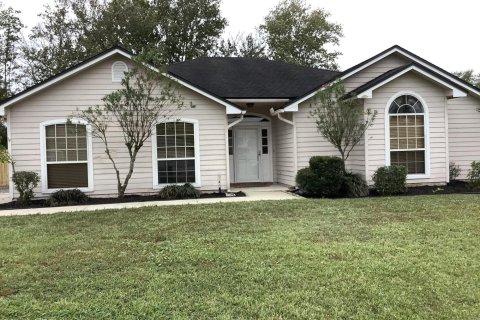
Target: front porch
261,146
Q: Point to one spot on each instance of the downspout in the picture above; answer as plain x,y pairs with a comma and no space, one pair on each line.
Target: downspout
278,113
226,144
237,121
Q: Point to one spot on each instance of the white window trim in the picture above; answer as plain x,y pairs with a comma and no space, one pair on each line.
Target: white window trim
196,133
113,73
426,133
43,155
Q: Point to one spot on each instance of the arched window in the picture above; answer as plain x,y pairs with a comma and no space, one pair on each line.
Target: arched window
66,156
118,71
176,153
407,129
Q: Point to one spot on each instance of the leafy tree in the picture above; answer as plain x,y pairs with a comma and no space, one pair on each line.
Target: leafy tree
72,30
250,45
340,118
297,34
3,135
188,28
469,76
129,23
53,44
145,97
10,28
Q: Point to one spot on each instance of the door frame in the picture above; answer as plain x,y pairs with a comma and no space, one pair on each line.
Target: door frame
262,166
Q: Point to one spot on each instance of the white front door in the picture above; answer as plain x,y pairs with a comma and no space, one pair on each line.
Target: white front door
247,155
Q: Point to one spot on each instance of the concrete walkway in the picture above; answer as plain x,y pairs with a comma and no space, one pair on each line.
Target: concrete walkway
274,192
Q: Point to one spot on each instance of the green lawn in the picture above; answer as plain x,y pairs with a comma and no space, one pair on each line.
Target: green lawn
386,258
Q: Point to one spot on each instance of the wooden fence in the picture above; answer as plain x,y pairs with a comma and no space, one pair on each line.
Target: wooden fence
4,174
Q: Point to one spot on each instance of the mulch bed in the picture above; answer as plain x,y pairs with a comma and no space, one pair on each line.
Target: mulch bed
128,198
454,187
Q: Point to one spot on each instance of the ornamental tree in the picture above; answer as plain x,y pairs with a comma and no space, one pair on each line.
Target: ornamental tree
340,118
145,97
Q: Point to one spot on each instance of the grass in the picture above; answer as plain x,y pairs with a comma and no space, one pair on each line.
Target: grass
383,258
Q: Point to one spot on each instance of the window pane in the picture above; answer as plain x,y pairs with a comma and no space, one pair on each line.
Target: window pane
171,153
72,155
74,175
190,152
191,176
410,120
61,155
170,128
81,130
82,142
264,150
51,155
161,141
189,128
419,121
190,164
50,131
162,166
60,130
180,128
82,155
264,141
161,129
61,143
393,143
170,141
419,132
402,143
161,153
189,141
72,143
420,143
71,130
50,144
180,141
180,152
402,120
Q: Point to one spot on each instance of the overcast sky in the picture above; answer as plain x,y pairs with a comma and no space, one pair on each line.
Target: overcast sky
443,32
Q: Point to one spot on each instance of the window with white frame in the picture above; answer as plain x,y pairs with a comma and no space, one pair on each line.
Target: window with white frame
66,156
176,152
407,134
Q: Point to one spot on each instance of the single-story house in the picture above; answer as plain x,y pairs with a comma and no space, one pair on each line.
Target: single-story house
250,123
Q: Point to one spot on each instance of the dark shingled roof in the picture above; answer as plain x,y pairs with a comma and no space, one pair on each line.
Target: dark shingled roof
237,78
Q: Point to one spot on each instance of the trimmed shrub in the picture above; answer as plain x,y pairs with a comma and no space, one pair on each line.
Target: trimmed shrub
354,186
67,198
324,177
25,182
474,175
390,180
454,171
172,192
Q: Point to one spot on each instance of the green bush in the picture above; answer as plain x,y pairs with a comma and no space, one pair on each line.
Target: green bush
390,180
474,175
454,171
172,192
67,198
324,177
25,182
354,186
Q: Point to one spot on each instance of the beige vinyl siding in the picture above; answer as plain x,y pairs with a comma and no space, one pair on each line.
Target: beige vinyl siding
86,89
435,99
283,146
311,143
376,69
464,132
